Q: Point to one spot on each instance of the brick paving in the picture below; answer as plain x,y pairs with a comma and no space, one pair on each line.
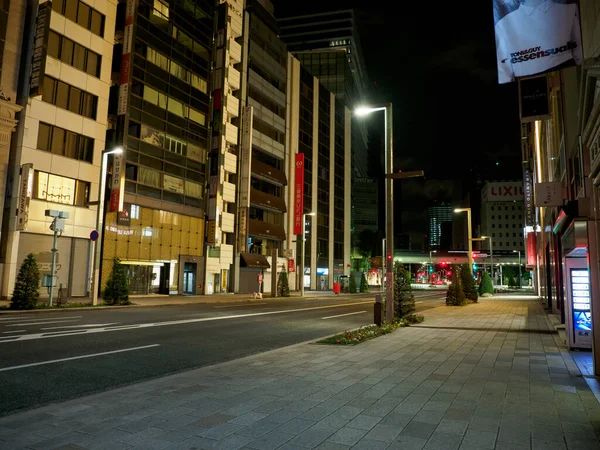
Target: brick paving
487,376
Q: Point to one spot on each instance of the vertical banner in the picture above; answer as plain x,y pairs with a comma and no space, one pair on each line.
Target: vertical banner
534,99
299,194
126,58
24,196
532,39
117,184
531,249
40,49
528,198
245,171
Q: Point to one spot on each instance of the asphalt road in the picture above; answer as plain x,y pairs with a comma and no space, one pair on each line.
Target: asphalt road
56,356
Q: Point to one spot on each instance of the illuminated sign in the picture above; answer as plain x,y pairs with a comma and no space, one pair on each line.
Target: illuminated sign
580,289
299,194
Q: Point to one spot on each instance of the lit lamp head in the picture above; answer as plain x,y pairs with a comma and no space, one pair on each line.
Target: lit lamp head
362,111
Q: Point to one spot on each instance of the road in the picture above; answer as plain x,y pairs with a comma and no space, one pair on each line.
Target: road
56,356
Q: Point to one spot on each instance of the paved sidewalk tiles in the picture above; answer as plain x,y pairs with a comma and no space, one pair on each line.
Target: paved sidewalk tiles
487,376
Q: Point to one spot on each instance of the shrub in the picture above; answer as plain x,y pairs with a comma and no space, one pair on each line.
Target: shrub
116,291
486,286
468,284
26,292
455,295
352,284
414,318
404,300
283,285
364,287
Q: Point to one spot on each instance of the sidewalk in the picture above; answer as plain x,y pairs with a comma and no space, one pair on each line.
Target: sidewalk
485,376
169,300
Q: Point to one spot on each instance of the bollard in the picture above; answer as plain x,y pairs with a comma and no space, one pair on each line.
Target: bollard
377,308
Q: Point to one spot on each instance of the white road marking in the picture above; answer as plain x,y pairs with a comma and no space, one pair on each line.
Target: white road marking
88,325
38,318
93,355
24,324
14,331
240,306
33,336
415,304
342,315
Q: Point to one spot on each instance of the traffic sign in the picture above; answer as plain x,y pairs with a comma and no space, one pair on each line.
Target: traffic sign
94,235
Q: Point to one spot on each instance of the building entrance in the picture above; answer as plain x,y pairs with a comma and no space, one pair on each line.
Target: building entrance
189,279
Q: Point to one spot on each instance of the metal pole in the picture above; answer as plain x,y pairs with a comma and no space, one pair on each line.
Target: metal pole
389,219
492,260
382,263
469,237
519,269
99,226
53,265
302,258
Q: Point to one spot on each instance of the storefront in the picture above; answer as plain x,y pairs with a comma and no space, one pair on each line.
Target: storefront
162,251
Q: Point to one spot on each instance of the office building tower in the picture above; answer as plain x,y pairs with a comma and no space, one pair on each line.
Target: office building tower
436,216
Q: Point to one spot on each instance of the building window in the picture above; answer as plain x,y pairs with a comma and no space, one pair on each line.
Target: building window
193,189
175,69
149,177
493,235
57,189
493,226
65,143
514,244
492,208
73,54
68,97
161,9
175,145
82,14
493,216
135,211
174,106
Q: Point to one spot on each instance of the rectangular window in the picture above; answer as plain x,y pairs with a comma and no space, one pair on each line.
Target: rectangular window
66,52
73,54
82,14
193,189
149,177
57,189
161,9
175,69
79,57
69,97
65,143
54,45
197,117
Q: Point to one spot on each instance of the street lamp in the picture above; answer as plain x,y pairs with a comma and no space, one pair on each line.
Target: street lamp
303,251
100,221
519,252
389,205
431,262
469,233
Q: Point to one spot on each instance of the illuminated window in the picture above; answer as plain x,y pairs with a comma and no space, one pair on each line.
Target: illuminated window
135,211
197,117
57,189
175,145
147,232
193,189
161,9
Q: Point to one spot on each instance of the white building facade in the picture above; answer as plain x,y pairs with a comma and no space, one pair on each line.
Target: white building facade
502,215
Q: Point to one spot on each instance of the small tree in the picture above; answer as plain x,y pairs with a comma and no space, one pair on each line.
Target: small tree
364,286
486,286
116,291
468,284
352,284
455,295
404,300
283,286
26,292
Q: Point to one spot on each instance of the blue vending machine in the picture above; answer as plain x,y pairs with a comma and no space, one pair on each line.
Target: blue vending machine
579,319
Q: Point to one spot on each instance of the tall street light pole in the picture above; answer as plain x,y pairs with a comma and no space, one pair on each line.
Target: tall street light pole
303,251
389,204
431,262
491,257
469,234
519,252
100,222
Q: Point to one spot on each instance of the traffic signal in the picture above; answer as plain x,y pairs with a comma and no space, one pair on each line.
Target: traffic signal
431,269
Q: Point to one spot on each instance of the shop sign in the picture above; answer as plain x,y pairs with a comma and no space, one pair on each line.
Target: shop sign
173,184
533,95
580,291
299,194
243,230
291,265
548,194
40,49
24,196
211,238
126,58
531,249
124,216
117,184
528,194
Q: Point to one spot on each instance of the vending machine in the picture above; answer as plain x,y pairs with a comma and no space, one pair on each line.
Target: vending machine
579,320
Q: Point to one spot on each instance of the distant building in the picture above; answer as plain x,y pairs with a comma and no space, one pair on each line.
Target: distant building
365,202
502,215
436,216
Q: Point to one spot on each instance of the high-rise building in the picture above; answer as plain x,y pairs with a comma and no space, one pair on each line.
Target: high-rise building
437,216
502,215
327,44
56,154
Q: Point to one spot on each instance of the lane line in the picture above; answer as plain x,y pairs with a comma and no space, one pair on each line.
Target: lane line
88,325
416,303
240,306
13,331
25,324
25,319
343,315
34,336
93,355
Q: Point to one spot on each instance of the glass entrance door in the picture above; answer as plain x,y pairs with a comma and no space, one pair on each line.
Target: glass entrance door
189,279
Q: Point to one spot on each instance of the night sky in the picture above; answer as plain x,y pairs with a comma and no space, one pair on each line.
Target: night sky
435,61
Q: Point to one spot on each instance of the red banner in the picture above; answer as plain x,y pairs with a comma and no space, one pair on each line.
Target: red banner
291,265
299,194
531,249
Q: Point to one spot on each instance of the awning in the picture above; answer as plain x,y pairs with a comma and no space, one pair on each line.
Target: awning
254,260
267,201
267,230
269,173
